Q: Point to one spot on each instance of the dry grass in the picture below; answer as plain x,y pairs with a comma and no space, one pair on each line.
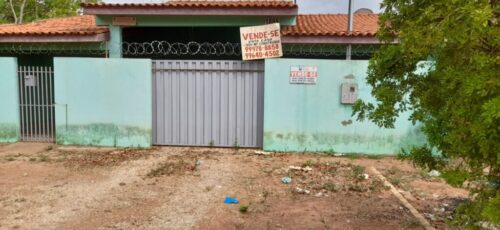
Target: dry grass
169,168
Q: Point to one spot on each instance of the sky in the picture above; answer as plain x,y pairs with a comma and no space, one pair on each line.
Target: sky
312,6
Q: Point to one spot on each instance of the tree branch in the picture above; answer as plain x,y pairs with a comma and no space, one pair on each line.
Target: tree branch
21,13
13,11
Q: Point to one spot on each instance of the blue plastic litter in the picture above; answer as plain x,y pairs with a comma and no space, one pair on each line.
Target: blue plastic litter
286,180
230,200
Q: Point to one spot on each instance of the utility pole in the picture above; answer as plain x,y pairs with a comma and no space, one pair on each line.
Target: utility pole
350,19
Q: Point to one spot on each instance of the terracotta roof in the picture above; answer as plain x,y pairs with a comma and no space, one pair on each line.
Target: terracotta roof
77,25
325,25
332,25
200,4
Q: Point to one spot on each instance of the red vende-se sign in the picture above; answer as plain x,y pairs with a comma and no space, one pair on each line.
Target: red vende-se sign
261,42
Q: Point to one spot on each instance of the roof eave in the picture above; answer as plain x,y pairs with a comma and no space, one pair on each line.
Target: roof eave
70,38
187,11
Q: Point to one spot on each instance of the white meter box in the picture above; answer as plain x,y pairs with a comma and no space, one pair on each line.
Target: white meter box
349,93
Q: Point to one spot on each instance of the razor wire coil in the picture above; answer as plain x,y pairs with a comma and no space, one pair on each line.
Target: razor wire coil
179,49
98,49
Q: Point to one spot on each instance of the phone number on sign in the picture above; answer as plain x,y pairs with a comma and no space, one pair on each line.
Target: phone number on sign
266,54
270,47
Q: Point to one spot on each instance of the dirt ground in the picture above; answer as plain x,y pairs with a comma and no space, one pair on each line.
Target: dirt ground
54,187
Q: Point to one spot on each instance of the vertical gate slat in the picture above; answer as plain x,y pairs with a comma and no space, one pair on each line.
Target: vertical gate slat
225,104
38,109
154,91
207,105
21,99
161,110
29,89
36,104
174,88
51,102
246,104
216,87
260,108
199,104
168,76
254,106
42,104
30,102
169,123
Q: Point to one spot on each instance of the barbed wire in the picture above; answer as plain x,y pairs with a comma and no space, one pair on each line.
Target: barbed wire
178,49
314,50
181,49
327,50
96,49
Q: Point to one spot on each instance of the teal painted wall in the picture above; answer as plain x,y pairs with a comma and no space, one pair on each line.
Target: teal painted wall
9,101
311,118
115,42
103,102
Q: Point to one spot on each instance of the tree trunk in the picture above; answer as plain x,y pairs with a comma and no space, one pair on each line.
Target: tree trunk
13,11
21,12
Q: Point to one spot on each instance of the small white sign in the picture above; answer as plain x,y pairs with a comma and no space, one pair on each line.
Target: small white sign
303,74
261,42
29,80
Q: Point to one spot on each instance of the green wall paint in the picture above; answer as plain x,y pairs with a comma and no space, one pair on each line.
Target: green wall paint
9,101
311,118
196,21
103,102
115,42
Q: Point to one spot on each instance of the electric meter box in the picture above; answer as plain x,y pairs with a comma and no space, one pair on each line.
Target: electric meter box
349,93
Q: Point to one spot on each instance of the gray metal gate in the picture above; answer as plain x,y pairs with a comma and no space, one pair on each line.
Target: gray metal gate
36,96
208,103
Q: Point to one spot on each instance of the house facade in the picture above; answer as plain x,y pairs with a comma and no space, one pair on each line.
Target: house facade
139,75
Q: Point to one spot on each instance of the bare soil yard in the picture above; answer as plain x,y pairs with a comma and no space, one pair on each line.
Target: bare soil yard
55,187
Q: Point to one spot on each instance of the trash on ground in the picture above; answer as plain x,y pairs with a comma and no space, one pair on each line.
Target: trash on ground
199,162
307,169
338,154
430,216
262,153
286,180
302,191
297,168
494,184
434,173
230,200
487,225
365,176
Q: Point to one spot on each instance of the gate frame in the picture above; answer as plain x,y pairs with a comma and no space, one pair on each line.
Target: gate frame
260,69
31,104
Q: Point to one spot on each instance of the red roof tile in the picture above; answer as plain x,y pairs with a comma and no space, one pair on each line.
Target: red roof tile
199,4
77,25
332,25
307,25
